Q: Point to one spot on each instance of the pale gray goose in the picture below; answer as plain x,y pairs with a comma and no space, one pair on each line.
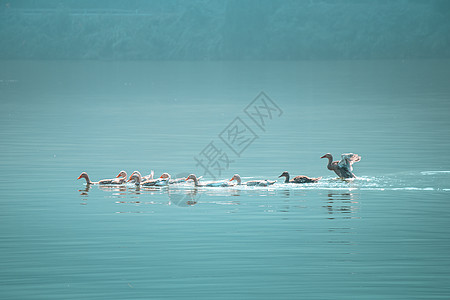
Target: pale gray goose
120,179
251,182
162,181
207,184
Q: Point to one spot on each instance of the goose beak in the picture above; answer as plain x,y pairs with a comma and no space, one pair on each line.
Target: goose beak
231,179
118,176
79,177
324,156
280,176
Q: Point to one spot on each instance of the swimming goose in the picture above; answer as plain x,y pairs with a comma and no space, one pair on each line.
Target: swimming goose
175,180
252,182
298,179
207,184
118,180
342,168
162,181
146,177
136,177
86,176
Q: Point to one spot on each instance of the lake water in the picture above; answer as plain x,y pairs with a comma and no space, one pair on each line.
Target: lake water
385,235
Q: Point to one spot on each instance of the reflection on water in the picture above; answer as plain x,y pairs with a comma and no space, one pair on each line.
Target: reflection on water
344,206
84,193
342,202
286,193
118,191
85,190
183,198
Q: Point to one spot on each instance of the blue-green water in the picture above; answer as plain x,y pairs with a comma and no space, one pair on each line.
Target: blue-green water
382,236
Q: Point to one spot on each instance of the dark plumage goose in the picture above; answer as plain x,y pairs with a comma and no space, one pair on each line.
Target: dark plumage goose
342,168
298,179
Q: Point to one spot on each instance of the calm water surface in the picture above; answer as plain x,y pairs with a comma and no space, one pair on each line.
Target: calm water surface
385,235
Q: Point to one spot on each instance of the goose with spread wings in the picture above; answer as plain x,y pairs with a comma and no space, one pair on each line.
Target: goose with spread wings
342,168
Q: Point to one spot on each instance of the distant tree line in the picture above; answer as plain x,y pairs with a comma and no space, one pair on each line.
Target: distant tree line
224,30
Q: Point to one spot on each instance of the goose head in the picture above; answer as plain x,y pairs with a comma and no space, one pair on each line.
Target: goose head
192,176
165,176
122,174
83,175
136,177
328,155
236,177
136,173
284,174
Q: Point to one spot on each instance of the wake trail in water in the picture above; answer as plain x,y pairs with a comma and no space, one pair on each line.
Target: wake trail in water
412,181
434,181
434,172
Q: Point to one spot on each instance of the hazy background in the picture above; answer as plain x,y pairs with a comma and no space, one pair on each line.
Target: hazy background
224,30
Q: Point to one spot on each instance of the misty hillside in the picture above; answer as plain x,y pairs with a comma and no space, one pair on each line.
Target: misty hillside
224,30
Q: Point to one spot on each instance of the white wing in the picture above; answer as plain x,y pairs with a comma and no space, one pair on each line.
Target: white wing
347,160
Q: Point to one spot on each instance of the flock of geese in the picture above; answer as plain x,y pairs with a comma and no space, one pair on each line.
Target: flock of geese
342,168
